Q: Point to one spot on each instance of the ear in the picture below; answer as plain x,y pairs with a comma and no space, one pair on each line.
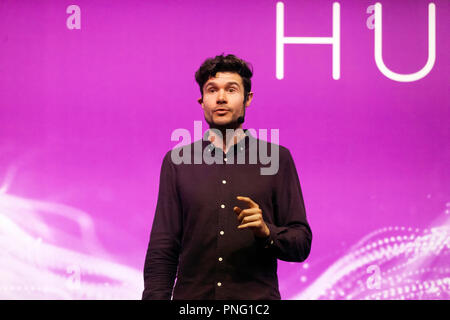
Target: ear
200,101
249,99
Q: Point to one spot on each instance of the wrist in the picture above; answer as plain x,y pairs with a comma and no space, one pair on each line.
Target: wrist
264,234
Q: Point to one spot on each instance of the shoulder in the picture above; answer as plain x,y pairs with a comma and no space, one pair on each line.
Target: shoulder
183,154
273,149
275,158
285,153
285,157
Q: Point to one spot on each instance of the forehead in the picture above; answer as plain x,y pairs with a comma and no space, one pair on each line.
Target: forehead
224,78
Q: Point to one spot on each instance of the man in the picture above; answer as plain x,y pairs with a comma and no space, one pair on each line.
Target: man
220,228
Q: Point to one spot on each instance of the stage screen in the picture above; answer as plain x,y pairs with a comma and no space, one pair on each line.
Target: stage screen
91,92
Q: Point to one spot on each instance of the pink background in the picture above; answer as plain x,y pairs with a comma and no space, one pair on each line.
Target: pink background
86,117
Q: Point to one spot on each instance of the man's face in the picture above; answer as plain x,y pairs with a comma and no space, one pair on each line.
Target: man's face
223,99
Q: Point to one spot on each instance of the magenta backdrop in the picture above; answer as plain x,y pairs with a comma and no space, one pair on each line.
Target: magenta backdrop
86,116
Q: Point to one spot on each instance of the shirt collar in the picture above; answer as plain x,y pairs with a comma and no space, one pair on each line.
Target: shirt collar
240,146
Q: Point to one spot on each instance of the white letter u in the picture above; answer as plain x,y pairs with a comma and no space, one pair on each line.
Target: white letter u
431,48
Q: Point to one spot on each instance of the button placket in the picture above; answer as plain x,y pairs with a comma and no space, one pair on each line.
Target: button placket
223,184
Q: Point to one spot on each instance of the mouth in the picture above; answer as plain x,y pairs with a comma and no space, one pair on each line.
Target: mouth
221,111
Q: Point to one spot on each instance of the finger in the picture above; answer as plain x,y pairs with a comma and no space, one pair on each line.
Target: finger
253,224
237,210
248,212
254,217
249,201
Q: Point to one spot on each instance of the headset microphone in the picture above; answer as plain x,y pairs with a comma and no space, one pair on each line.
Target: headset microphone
241,119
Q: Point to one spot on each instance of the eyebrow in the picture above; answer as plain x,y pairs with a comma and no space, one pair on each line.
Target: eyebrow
230,83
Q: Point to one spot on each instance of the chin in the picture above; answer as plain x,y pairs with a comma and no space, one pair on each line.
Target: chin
222,122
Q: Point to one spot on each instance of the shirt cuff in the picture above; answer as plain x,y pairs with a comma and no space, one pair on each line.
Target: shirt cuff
269,241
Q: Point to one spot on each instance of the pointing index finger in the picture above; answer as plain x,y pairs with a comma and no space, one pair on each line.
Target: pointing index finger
249,201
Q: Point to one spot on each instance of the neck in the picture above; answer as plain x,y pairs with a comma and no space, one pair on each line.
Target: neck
226,141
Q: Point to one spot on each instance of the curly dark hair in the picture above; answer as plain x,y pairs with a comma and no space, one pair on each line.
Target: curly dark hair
228,63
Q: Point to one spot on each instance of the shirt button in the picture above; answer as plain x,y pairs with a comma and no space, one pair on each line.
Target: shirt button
220,258
219,284
222,233
224,181
222,206
271,243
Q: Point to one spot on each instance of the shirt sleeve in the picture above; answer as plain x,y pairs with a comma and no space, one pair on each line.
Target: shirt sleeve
161,261
290,236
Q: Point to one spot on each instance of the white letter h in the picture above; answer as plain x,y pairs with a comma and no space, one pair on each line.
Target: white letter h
282,40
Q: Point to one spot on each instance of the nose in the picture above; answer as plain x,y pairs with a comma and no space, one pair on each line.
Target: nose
221,97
